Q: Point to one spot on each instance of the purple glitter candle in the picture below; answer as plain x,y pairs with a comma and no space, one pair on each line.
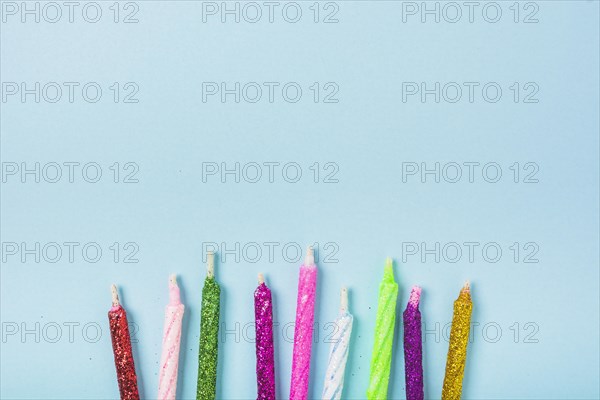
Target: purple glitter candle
265,360
413,348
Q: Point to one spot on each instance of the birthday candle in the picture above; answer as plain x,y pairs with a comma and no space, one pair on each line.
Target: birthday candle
305,313
209,335
381,359
413,347
338,352
457,350
169,360
121,342
265,357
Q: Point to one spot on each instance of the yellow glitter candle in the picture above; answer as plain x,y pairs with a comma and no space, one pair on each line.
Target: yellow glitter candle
457,351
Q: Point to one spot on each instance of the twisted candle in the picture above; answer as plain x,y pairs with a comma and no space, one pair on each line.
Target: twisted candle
169,360
209,335
338,352
121,342
265,357
413,347
381,359
457,350
305,313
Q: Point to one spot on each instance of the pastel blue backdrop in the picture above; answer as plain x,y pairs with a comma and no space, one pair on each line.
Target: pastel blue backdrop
536,324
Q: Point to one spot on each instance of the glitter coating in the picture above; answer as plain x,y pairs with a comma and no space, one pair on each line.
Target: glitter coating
305,313
209,340
457,350
413,347
381,358
121,342
338,356
265,356
169,360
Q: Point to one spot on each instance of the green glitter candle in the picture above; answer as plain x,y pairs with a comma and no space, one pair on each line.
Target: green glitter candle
381,359
209,335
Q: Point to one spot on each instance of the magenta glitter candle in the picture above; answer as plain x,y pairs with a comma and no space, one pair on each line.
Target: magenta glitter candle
265,357
305,314
413,348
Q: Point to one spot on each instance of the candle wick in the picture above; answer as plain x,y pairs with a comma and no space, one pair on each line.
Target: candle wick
344,301
210,264
388,271
310,256
174,296
415,296
115,295
261,278
467,287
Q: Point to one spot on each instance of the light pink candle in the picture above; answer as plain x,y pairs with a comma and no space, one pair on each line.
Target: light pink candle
305,315
169,360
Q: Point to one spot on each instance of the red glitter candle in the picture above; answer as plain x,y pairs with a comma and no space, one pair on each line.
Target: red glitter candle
121,342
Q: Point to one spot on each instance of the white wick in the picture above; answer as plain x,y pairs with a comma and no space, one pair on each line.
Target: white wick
344,301
115,295
467,287
261,279
173,279
210,264
310,256
389,262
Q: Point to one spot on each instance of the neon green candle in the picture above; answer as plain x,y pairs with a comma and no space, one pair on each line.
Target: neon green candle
209,335
381,359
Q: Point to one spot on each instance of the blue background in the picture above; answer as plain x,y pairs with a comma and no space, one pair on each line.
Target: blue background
368,215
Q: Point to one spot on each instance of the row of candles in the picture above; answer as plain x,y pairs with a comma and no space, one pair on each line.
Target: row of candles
265,359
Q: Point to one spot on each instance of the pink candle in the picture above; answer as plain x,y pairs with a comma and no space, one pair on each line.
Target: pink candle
169,360
305,314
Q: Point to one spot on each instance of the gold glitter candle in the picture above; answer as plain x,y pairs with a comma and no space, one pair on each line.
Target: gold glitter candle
457,351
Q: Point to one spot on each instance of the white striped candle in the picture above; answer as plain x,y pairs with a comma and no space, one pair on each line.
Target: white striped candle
338,352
